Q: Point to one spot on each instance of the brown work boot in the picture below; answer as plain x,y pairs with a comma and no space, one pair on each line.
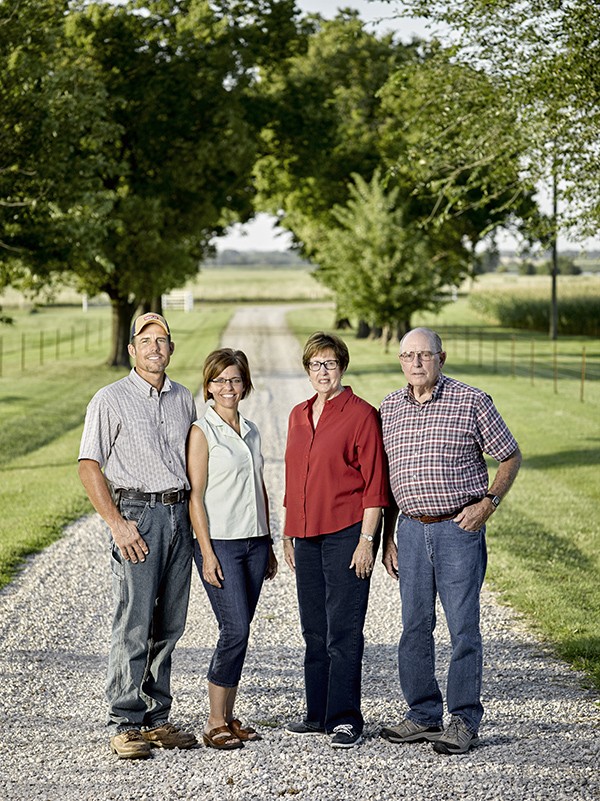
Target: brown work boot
130,745
169,736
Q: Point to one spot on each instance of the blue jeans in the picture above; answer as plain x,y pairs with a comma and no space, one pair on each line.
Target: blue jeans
333,606
244,564
440,559
150,609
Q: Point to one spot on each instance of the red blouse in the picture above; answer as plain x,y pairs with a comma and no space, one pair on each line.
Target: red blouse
333,472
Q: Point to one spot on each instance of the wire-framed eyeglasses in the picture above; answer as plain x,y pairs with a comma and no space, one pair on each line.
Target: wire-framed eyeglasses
423,355
235,382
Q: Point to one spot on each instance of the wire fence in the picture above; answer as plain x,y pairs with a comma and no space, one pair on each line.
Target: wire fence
566,363
28,350
569,362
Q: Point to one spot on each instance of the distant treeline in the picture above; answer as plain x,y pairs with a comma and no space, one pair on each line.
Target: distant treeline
251,258
290,258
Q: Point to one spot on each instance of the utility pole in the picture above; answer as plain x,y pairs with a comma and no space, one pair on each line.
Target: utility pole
554,301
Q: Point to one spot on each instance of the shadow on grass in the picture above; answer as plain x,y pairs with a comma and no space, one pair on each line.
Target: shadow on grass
574,458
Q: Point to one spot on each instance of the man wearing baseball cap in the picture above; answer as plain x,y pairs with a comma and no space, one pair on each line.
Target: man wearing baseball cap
132,465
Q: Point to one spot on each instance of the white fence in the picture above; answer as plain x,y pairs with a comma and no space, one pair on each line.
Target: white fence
178,299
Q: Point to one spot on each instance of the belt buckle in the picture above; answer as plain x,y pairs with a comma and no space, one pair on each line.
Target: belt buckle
169,498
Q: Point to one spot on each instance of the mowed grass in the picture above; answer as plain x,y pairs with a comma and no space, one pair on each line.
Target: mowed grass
41,416
544,540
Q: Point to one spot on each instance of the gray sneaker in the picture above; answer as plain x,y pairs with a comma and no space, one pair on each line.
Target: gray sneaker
410,732
456,739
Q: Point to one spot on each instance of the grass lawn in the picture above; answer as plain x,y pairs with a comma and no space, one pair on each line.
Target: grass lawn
544,540
41,417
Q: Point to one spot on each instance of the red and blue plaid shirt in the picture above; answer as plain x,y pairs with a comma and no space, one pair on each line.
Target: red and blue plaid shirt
436,449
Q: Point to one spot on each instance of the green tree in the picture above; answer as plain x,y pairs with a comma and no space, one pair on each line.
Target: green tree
451,137
545,53
323,125
383,267
174,80
52,127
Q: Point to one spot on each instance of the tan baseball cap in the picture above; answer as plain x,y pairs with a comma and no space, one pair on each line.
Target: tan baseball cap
147,319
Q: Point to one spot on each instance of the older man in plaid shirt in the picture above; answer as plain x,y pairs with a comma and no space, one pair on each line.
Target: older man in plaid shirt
436,431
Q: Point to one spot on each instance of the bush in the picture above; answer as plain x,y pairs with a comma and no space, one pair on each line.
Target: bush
577,316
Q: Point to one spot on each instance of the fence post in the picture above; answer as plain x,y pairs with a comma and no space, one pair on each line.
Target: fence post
512,356
532,362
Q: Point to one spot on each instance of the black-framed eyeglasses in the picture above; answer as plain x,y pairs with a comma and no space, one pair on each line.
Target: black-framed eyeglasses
424,355
235,382
329,364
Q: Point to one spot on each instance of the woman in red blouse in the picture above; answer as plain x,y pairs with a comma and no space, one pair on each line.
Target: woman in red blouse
335,487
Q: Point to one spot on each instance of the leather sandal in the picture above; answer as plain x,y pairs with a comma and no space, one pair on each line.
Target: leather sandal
248,733
221,737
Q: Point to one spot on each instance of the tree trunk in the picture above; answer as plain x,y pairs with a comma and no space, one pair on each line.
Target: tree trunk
386,335
363,330
402,328
122,312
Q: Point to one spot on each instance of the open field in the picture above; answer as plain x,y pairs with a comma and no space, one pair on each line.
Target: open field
41,416
544,540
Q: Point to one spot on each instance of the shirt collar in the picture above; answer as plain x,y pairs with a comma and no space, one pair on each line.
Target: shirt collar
146,388
228,430
335,403
407,391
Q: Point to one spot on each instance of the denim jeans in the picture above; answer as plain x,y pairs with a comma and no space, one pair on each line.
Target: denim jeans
150,609
333,605
440,559
244,564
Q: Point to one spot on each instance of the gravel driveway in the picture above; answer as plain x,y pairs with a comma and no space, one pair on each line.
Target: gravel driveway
539,738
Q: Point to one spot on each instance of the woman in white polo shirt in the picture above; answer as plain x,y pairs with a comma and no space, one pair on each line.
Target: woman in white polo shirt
229,514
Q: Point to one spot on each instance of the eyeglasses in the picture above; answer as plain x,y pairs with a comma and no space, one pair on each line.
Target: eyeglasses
235,382
330,364
424,355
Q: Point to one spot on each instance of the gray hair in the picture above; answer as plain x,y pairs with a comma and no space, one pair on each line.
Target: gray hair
434,338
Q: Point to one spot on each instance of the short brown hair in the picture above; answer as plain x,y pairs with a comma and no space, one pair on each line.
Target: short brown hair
220,360
320,341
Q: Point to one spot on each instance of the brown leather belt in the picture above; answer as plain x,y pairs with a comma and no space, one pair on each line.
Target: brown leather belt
433,518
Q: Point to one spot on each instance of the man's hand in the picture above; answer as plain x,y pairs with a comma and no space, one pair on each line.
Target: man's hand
474,516
129,541
390,557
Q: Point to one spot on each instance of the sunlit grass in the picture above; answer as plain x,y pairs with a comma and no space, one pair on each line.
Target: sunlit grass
544,540
41,417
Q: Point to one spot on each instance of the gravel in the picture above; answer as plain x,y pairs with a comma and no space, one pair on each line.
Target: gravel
539,738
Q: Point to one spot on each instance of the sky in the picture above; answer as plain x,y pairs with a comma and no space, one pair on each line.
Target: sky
260,233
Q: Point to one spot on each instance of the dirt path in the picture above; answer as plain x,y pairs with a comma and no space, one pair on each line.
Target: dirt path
539,740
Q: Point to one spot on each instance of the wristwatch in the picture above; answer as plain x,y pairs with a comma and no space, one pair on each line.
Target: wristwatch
495,499
368,537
